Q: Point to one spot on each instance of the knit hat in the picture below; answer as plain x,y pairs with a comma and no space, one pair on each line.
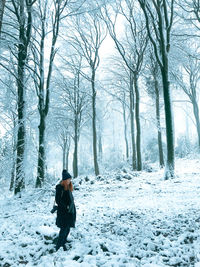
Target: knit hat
65,175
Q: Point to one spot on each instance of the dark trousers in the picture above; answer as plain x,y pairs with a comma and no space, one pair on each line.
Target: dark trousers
62,238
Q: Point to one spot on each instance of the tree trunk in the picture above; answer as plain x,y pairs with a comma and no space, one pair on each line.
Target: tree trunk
160,146
125,131
134,163
196,115
187,123
169,171
24,39
67,159
41,152
64,154
75,155
12,180
2,5
100,147
162,23
20,176
96,166
137,119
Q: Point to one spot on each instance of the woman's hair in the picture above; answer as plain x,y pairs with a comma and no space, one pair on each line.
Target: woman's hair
67,187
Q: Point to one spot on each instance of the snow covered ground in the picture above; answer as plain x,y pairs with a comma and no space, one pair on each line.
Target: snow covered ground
123,220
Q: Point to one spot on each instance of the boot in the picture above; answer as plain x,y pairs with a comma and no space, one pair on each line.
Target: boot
57,247
64,247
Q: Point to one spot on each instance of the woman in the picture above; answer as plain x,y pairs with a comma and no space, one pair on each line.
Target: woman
66,212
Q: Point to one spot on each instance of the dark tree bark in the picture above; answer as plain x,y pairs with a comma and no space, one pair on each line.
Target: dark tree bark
24,40
75,155
43,92
137,119
12,180
160,18
41,152
160,146
196,115
2,5
169,124
96,165
13,167
132,116
125,129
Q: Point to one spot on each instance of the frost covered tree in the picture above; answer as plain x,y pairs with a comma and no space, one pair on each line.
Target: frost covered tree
8,118
75,101
117,85
188,79
192,8
154,90
131,49
159,20
87,40
18,22
41,74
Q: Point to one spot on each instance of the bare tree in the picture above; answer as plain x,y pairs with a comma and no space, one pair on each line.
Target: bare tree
153,89
62,128
42,80
22,10
191,7
8,119
188,79
159,19
75,100
87,41
118,86
132,52
59,10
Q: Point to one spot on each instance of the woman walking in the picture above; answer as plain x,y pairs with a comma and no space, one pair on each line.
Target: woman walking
66,212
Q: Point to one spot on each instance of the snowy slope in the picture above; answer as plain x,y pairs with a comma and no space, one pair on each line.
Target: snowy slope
124,219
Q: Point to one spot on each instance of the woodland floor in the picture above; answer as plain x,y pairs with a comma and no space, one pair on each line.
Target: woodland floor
124,219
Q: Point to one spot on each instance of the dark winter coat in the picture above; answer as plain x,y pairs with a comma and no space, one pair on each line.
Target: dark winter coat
66,212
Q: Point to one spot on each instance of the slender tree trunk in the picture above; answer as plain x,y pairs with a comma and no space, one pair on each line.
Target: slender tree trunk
20,176
169,171
64,154
2,5
187,123
134,163
125,131
75,155
41,152
96,166
160,146
67,159
196,115
100,147
12,180
137,119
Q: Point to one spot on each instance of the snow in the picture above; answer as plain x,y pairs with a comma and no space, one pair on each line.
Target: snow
123,219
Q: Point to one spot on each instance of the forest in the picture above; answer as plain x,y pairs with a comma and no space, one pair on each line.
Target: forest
107,90
94,86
